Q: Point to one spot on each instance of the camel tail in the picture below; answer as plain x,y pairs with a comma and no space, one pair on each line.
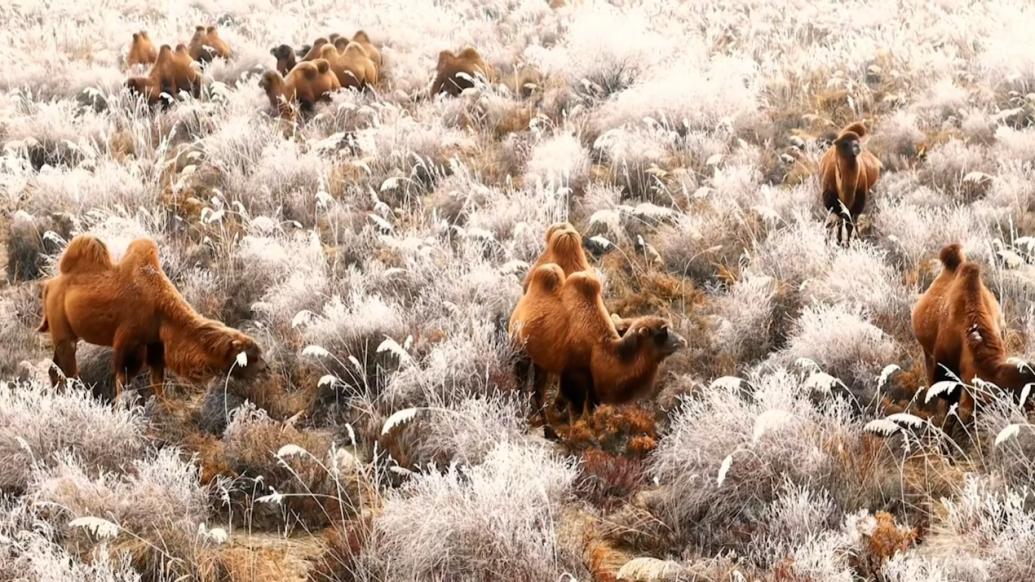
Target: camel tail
952,256
44,325
857,128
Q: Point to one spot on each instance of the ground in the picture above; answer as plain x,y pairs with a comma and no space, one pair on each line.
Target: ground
376,248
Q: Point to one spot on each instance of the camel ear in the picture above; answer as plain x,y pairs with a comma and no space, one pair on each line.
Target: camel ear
236,347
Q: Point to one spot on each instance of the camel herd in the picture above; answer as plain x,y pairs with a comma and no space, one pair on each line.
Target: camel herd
302,77
560,324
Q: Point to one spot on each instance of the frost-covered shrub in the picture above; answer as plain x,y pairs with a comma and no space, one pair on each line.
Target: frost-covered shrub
728,456
40,426
795,517
948,165
109,184
744,330
28,551
690,93
1014,145
909,230
282,473
942,99
597,62
354,326
793,254
844,343
293,270
153,511
1008,439
862,276
896,139
463,432
468,362
561,160
985,532
27,246
479,521
18,321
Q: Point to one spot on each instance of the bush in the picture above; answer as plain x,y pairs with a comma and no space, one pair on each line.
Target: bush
284,475
478,522
39,427
842,341
728,456
152,512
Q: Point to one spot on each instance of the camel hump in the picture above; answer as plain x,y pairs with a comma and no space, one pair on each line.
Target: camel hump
361,36
857,128
270,80
469,53
445,57
328,51
142,251
85,253
952,256
548,277
355,49
587,285
322,66
969,272
557,226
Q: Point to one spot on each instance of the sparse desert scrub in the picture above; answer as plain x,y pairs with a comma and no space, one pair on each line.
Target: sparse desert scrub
152,513
376,246
499,516
729,451
18,312
843,342
281,474
37,430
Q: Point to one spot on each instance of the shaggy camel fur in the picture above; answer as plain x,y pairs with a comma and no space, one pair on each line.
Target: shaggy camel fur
134,308
564,327
959,325
847,174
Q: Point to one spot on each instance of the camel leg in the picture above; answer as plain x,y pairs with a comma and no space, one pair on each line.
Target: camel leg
126,361
576,387
64,359
849,227
156,362
966,407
